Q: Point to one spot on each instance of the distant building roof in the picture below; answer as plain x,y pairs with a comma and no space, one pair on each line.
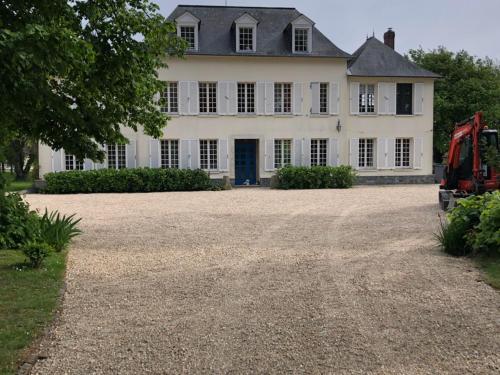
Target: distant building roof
375,59
217,36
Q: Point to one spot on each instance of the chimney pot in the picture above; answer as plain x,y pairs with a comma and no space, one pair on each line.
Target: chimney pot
389,38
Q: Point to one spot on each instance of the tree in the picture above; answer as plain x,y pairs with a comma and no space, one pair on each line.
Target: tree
72,72
468,84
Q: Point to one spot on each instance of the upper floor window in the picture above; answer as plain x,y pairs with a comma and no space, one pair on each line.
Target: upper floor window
208,97
323,98
366,98
72,164
283,98
302,35
246,97
187,29
246,33
404,99
117,156
169,153
169,96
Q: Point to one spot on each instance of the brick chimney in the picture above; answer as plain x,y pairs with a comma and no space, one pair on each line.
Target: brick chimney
389,38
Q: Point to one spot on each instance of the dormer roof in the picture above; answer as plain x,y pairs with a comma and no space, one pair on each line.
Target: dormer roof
302,20
187,18
246,18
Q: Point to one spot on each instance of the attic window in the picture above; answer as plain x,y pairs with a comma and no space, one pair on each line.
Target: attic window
188,34
246,33
187,29
246,39
301,40
302,28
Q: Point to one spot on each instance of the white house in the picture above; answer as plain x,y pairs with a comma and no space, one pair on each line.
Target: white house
261,88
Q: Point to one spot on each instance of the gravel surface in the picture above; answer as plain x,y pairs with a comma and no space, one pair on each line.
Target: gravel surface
266,281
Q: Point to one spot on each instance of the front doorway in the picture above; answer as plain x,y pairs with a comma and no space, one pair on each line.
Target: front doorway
245,160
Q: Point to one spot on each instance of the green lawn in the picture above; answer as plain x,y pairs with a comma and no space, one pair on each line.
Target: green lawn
13,185
491,268
28,299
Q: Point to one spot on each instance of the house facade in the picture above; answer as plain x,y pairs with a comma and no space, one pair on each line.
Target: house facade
261,88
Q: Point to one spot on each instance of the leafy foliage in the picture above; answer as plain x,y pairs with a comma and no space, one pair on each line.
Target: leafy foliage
126,181
18,225
36,252
468,85
317,177
58,230
73,72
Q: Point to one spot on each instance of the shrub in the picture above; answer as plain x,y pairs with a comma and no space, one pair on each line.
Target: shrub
36,252
126,181
486,238
18,225
451,235
57,230
316,177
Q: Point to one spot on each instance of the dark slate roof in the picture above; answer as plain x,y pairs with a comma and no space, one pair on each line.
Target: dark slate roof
375,59
217,36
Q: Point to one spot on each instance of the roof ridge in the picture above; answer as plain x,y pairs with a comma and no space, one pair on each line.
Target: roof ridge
233,6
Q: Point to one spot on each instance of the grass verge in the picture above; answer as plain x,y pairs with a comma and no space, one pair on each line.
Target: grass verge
28,300
491,267
13,185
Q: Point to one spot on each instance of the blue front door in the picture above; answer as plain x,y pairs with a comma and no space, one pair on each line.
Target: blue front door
245,158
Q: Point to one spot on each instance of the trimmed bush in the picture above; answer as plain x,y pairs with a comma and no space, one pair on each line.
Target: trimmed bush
18,225
36,252
316,177
127,181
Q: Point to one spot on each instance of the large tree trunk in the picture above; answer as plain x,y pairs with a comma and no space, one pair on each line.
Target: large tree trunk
21,157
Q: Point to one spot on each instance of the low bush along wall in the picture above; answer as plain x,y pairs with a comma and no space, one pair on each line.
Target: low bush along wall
472,227
126,181
316,177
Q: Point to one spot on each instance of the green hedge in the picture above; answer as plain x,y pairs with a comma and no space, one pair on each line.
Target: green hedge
316,177
126,181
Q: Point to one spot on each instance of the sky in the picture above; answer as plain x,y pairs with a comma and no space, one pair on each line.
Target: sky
472,25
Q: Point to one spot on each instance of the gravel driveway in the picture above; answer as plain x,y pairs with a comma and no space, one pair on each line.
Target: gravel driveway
265,281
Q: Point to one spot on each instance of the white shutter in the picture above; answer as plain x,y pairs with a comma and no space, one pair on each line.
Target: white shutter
297,152
418,97
185,154
382,99
233,98
184,97
222,98
391,94
269,98
194,148
193,99
354,98
306,147
334,152
103,164
334,98
269,155
381,153
223,155
57,161
315,107
131,157
354,153
154,153
260,98
391,153
298,98
88,165
156,100
418,152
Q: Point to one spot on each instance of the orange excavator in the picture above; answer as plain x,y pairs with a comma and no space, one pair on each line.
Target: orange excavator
467,172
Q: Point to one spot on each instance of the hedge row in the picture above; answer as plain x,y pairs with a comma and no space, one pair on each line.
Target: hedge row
316,177
126,181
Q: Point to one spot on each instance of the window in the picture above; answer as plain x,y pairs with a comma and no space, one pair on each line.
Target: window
188,34
366,98
208,97
282,152
404,99
246,97
72,164
245,39
301,40
319,151
366,152
169,153
117,156
403,152
323,98
208,154
282,98
169,102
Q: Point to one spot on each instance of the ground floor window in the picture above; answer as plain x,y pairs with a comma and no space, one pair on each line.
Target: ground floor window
282,152
117,156
169,153
366,153
319,152
208,154
72,164
403,152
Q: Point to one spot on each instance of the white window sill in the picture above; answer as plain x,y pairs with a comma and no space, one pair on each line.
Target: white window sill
207,115
284,115
246,115
404,115
367,169
367,115
320,115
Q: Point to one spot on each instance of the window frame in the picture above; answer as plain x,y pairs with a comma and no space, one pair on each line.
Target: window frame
75,164
317,154
364,91
117,156
400,143
281,143
247,100
212,164
365,158
253,29
210,105
167,98
169,163
324,110
399,96
282,102
306,32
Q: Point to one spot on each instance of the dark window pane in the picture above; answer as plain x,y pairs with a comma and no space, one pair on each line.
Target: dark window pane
404,99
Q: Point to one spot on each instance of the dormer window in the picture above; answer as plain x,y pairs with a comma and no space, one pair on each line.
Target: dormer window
187,29
246,33
302,35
